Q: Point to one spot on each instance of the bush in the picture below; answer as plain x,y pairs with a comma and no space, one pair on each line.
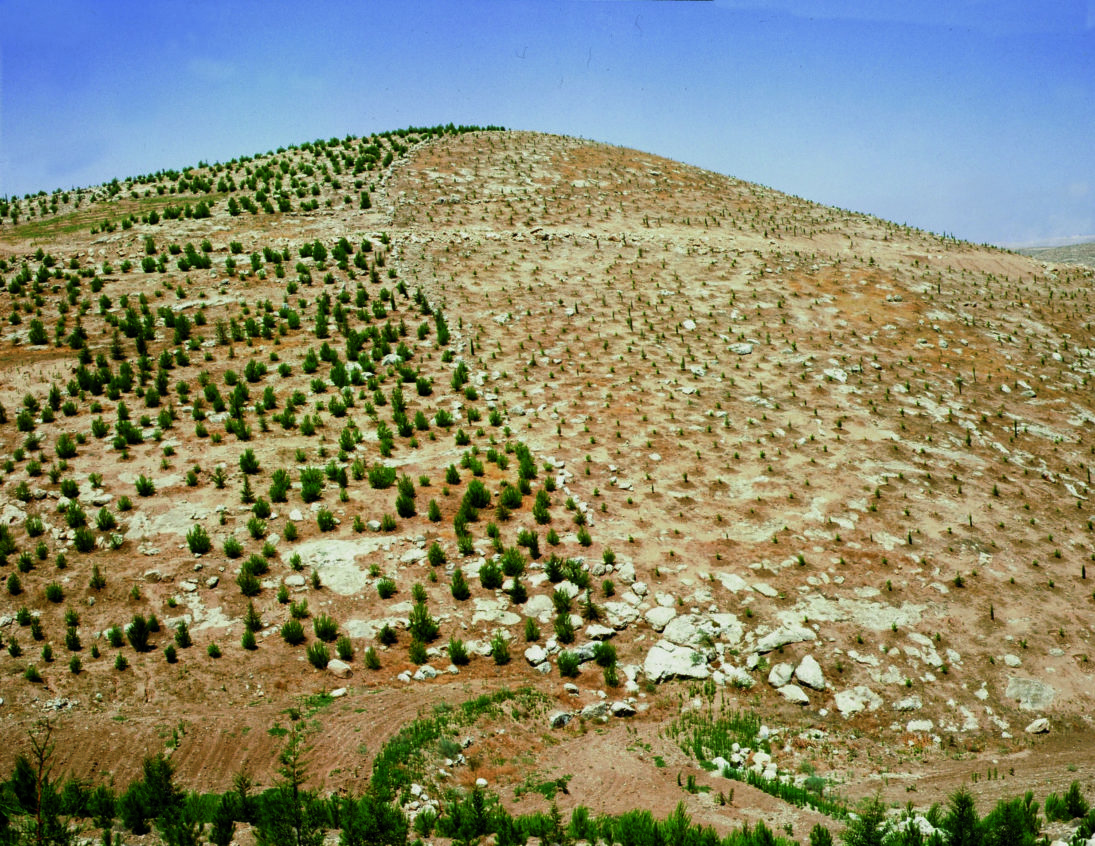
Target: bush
198,540
138,633
568,664
325,627
145,486
292,632
386,588
83,539
249,464
490,576
248,582
386,636
213,651
458,652
532,631
55,593
499,649
417,652
604,654
459,586
248,641
182,635
318,656
344,648
170,654
564,628
404,506
325,520
370,659
421,625
232,547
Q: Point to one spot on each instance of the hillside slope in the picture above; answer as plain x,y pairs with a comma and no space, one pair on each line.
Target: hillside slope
837,468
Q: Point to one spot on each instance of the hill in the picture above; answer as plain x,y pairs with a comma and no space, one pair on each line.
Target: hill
1069,254
517,395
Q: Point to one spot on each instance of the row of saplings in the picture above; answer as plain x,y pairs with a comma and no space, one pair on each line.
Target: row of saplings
34,809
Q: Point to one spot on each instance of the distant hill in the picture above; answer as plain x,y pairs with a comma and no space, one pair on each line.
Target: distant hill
1070,254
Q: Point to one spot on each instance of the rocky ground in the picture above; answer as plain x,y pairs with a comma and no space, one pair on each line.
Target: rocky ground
795,460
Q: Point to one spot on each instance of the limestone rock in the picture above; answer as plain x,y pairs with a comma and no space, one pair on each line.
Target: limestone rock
919,726
669,661
809,673
793,694
659,617
339,668
1032,694
856,699
425,673
785,636
536,654
621,709
780,674
558,719
1039,726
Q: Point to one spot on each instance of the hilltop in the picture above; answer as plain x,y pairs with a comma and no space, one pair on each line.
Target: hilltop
781,459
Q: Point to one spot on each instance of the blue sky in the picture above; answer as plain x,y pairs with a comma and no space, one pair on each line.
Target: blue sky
968,117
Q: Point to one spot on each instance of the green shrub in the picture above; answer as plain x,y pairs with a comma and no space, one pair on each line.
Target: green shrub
564,628
182,635
490,576
344,648
213,651
568,664
386,588
198,540
292,632
248,641
170,653
232,547
248,582
325,520
458,652
417,652
138,633
145,486
421,625
325,627
435,555
32,675
604,654
532,630
386,636
499,649
370,659
459,586
318,656
55,593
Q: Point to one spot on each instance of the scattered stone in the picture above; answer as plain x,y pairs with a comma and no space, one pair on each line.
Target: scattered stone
780,674
425,673
794,694
659,617
741,348
785,636
536,654
911,703
919,726
212,582
558,719
339,668
1039,726
595,711
669,661
338,693
621,709
809,673
856,699
1032,695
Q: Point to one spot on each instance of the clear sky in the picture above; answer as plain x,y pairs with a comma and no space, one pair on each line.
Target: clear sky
971,117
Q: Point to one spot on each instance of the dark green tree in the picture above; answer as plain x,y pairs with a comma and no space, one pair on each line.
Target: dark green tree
290,815
962,824
870,828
